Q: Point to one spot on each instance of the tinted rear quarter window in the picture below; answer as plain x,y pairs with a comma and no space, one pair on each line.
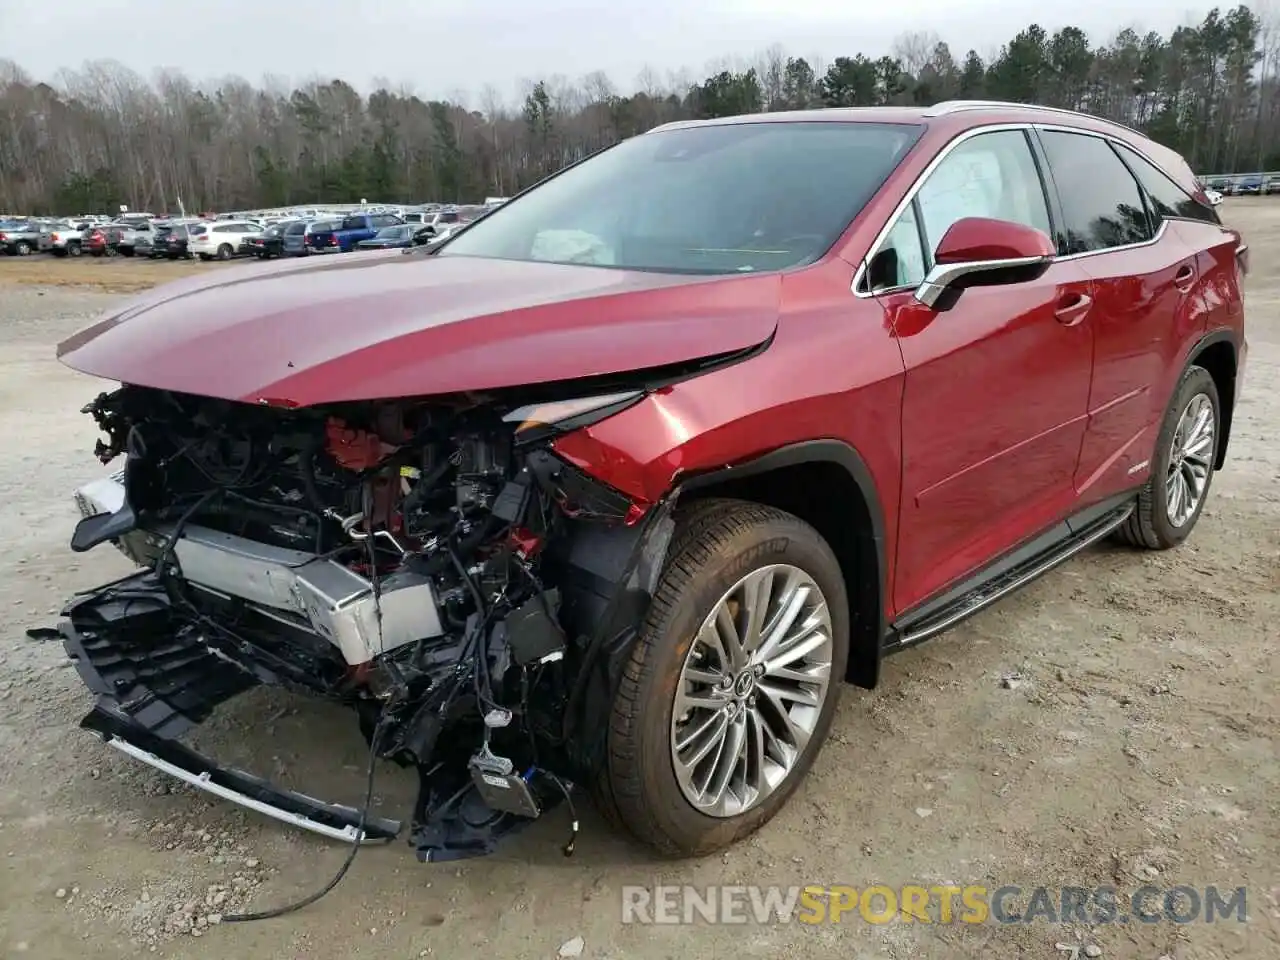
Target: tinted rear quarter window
1167,198
1101,203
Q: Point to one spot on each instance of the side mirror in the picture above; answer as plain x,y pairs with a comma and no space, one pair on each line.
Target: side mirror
979,251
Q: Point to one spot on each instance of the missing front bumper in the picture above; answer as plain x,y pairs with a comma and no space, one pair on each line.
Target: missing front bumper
331,820
156,677
153,684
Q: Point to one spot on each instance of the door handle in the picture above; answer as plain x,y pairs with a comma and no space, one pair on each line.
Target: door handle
1185,278
1074,310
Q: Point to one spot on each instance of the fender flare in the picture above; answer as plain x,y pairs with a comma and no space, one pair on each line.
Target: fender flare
1228,410
866,665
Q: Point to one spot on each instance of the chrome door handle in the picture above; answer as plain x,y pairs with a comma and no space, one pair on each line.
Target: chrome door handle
1070,314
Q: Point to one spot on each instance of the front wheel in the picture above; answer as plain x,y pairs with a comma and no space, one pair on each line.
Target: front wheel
22,248
1182,467
732,684
74,249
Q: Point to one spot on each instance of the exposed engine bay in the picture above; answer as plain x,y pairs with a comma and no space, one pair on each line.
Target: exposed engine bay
433,565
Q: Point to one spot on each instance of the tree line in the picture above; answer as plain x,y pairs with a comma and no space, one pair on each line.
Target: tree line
103,135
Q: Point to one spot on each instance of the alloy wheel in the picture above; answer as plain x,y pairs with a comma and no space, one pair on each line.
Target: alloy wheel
1190,460
751,690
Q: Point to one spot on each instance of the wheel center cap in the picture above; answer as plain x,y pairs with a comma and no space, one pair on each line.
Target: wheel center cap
745,683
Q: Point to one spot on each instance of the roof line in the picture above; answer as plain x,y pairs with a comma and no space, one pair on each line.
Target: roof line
955,106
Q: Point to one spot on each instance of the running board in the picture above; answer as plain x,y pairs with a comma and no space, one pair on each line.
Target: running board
1004,579
331,820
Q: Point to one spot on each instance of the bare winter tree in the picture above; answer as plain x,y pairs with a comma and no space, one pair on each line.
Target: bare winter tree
93,138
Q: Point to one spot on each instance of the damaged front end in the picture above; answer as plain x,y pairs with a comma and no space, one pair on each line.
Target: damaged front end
434,565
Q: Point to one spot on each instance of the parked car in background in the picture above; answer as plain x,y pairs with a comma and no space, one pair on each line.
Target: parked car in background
271,243
1221,184
398,235
1250,186
224,239
135,236
22,237
1271,185
174,241
316,236
293,242
351,230
67,238
103,241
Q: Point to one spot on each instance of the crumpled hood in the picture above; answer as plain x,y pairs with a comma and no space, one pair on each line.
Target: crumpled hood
379,325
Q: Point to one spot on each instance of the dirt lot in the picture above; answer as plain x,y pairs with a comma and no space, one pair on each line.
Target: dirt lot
105,275
1115,723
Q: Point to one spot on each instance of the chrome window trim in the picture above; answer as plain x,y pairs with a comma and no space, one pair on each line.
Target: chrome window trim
910,195
955,142
1164,222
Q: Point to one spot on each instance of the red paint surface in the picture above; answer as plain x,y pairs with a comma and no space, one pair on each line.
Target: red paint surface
980,426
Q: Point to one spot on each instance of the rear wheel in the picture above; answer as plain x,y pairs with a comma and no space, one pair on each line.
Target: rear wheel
732,685
74,249
224,252
1182,468
22,248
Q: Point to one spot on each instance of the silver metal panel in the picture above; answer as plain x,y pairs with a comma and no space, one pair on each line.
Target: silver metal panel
105,495
338,603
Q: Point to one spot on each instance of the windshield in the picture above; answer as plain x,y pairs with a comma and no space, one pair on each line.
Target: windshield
708,199
392,233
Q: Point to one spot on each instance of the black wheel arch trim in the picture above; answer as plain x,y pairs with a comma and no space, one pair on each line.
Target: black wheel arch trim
1226,405
864,660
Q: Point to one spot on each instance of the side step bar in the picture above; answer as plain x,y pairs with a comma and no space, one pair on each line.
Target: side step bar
1037,558
327,819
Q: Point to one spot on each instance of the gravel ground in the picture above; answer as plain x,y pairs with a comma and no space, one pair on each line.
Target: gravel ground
1115,723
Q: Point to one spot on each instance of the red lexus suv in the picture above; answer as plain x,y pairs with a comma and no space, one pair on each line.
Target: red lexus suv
615,488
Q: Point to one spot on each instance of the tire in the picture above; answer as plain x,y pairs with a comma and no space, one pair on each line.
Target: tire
126,251
22,248
59,251
718,544
74,249
1154,523
225,252
113,251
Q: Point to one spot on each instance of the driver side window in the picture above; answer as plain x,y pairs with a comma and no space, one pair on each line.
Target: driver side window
991,175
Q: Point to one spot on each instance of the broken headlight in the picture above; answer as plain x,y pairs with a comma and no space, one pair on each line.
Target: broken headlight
541,421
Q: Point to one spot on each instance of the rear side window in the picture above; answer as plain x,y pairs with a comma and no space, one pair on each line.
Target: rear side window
353,223
1101,203
1167,198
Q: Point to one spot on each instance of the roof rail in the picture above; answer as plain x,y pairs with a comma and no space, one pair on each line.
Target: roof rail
954,106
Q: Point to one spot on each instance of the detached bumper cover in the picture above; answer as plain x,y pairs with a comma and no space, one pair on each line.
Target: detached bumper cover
154,684
327,819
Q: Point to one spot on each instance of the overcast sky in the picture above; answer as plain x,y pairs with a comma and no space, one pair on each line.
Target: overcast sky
438,47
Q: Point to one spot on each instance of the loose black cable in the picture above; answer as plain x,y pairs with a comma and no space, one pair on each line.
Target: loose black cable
356,843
